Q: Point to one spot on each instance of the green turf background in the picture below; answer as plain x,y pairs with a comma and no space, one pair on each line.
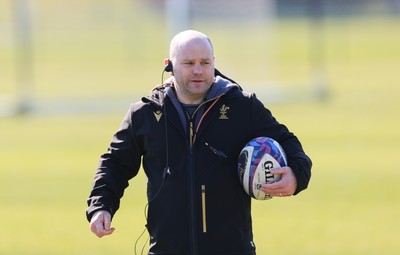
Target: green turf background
47,160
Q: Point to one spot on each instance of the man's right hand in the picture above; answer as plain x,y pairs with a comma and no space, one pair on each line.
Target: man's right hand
100,224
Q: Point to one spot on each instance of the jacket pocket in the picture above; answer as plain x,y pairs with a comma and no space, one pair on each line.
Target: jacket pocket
203,208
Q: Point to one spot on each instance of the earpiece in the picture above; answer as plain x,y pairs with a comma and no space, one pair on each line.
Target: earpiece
168,65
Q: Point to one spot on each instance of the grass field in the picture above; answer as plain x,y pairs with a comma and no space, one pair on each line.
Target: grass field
351,207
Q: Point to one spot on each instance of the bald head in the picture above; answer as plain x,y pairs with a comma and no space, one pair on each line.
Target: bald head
188,37
192,57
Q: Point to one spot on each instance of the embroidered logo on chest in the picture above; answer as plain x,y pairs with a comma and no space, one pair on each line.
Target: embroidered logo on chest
223,111
158,115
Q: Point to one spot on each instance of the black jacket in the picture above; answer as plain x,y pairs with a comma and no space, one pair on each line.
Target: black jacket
196,202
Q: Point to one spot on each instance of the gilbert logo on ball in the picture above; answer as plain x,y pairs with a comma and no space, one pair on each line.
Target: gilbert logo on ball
256,160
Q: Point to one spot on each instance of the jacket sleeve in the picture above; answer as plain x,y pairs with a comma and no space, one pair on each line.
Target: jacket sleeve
116,167
266,125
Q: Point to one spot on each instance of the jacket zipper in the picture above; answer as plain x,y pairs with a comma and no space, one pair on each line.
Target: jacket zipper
203,207
192,139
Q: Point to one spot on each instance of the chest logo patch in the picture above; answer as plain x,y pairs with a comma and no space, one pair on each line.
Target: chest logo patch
223,111
158,115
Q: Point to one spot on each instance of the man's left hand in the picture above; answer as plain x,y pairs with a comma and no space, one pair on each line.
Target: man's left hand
286,186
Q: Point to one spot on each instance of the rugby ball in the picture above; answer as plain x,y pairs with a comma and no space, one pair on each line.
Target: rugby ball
256,160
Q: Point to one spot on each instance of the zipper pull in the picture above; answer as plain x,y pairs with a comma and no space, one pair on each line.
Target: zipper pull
203,207
191,132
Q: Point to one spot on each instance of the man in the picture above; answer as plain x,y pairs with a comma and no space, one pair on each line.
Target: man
188,134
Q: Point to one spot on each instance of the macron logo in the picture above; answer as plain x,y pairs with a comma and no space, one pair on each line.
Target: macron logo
158,115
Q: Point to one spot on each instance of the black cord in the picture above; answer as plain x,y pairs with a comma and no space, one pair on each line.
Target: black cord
137,240
146,209
166,172
144,245
162,77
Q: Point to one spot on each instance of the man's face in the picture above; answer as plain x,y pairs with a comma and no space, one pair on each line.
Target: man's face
193,70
